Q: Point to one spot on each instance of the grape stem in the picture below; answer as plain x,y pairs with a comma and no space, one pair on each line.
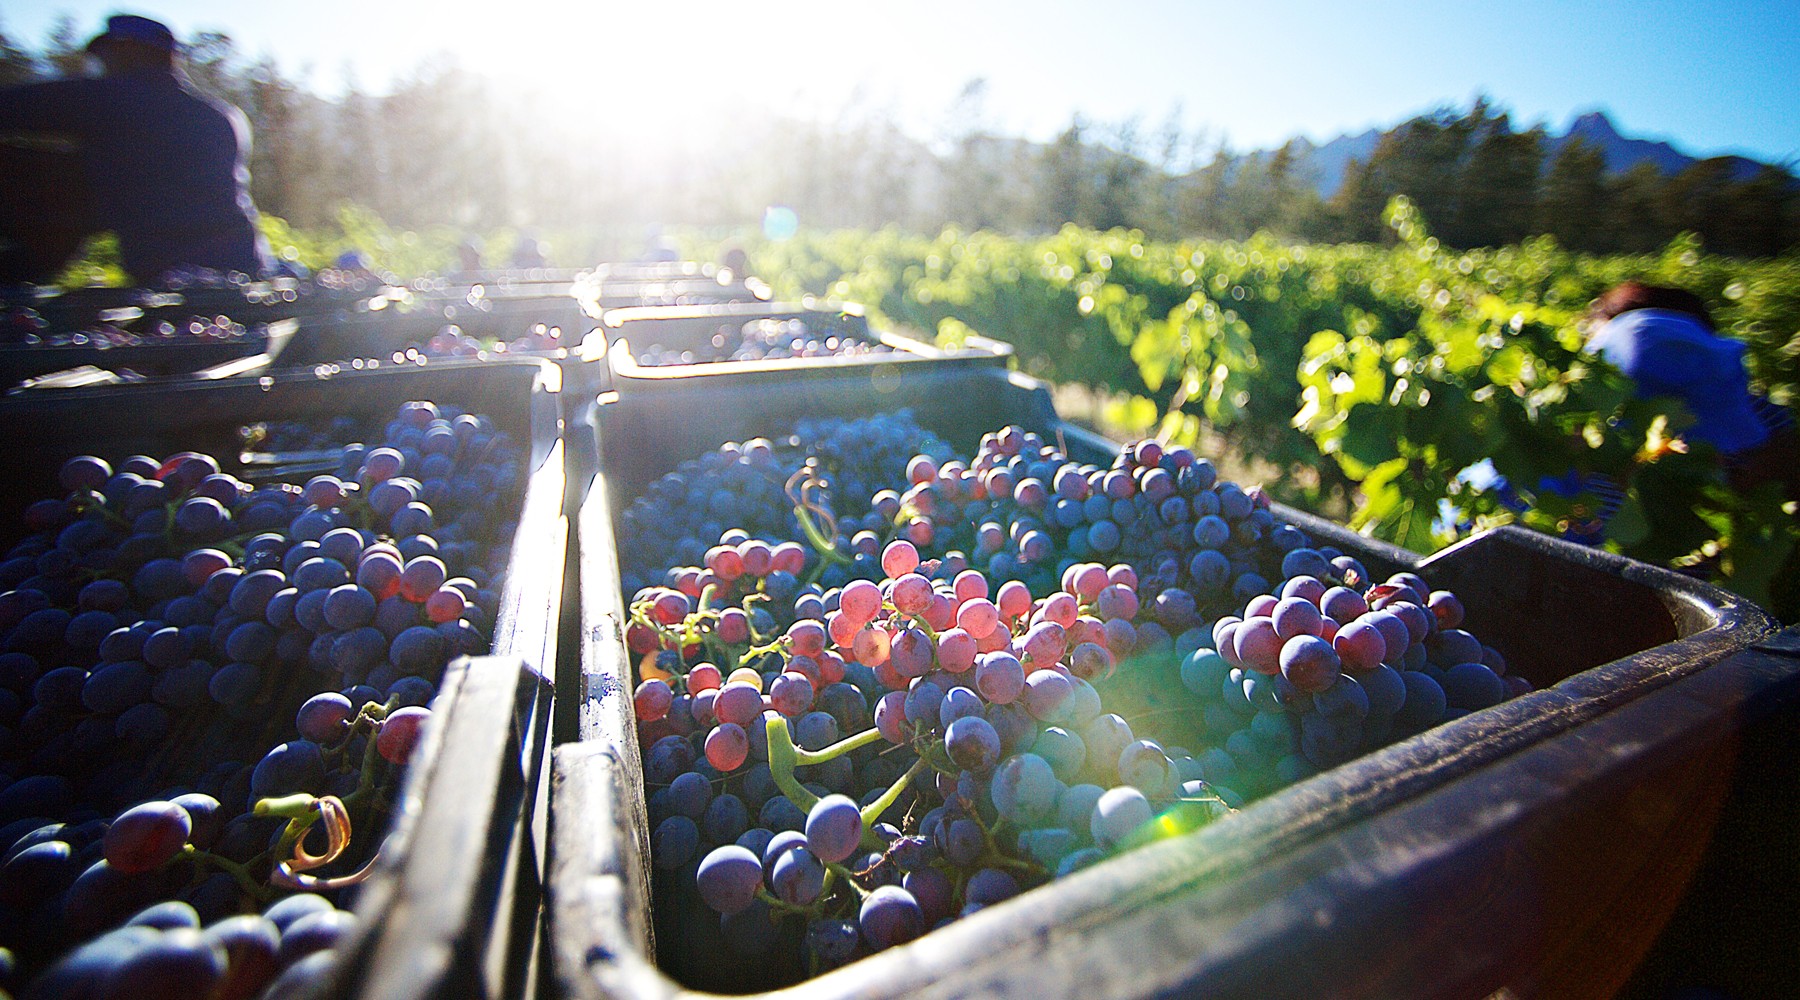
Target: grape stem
838,749
873,811
849,877
826,548
919,622
754,653
239,873
783,757
778,905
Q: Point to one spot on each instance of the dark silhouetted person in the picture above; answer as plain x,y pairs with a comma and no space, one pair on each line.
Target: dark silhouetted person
468,256
530,253
156,162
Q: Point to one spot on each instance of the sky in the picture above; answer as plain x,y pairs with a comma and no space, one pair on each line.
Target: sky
1713,77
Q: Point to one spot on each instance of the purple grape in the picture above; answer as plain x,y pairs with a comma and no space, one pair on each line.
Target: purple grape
834,828
1310,663
398,737
166,916
932,890
324,717
797,877
673,842
989,886
147,836
314,932
250,944
1144,766
832,942
973,743
1024,788
1473,686
728,879
286,911
890,916
1118,813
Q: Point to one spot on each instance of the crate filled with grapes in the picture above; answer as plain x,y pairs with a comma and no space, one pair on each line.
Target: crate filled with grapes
629,285
925,691
276,652
126,345
462,323
674,348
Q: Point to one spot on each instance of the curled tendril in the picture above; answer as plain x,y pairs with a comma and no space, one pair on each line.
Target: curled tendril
289,873
802,488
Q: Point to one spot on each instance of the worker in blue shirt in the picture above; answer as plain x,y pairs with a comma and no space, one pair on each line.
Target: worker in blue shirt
159,164
1664,339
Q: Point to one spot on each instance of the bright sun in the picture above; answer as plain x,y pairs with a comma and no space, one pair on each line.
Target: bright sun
663,78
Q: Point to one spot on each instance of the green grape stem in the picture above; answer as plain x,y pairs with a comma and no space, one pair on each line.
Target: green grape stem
873,811
783,758
239,873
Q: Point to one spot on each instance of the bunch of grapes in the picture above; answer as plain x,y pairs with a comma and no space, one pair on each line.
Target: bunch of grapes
773,798
850,743
768,339
1321,673
1020,509
833,465
160,626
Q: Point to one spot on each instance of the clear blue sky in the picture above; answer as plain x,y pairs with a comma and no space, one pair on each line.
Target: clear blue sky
1711,76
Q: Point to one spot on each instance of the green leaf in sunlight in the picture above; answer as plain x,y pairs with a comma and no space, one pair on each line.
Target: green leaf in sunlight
1462,349
1380,497
1507,366
1135,414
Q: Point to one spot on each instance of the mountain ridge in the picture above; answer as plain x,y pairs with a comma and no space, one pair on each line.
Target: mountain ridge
1327,163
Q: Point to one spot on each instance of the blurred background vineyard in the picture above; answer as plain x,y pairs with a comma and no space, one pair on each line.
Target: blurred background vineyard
1374,339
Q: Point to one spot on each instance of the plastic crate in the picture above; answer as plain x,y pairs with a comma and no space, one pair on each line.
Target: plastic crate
392,332
711,333
154,356
653,270
670,283
142,308
451,909
1487,853
692,328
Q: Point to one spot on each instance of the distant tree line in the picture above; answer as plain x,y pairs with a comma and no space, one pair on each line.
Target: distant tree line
452,149
1480,182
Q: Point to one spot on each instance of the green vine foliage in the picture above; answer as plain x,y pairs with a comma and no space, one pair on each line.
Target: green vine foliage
1375,376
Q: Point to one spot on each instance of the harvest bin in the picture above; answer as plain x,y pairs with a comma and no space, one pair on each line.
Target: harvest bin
348,335
154,356
629,333
138,308
665,283
1513,848
452,907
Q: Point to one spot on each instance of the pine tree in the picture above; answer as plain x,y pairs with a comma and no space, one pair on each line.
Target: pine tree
1498,192
1573,201
1639,222
1064,179
1759,214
